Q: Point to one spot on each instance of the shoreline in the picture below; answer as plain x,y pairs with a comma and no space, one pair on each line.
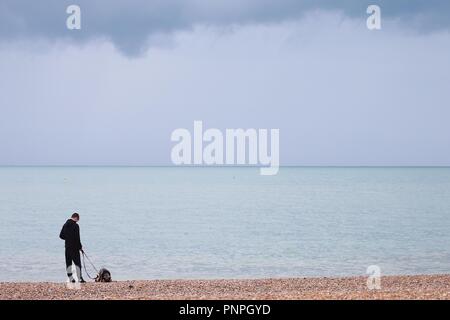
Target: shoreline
392,287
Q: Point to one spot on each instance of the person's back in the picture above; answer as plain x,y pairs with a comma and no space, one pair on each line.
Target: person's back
70,233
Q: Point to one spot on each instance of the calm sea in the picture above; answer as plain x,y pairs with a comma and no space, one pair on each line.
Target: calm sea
170,222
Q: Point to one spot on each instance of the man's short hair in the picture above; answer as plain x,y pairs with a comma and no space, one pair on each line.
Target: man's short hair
76,216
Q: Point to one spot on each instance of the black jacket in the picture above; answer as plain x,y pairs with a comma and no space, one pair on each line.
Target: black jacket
70,232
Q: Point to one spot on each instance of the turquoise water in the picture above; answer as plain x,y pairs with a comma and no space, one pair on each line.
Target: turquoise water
173,222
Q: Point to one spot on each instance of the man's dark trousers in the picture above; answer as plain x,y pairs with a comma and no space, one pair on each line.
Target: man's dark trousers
72,255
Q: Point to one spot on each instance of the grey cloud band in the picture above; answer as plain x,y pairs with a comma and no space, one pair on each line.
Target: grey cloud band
129,23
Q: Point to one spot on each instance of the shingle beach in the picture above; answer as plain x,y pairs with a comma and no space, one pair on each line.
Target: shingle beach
392,287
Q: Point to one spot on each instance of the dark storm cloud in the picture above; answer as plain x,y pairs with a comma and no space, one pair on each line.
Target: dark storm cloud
129,23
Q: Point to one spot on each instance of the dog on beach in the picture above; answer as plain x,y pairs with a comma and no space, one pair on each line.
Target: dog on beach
103,276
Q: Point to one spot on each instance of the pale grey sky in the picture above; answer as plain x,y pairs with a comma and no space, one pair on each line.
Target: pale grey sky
113,92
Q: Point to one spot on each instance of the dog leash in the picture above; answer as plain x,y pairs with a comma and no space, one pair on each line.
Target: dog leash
84,263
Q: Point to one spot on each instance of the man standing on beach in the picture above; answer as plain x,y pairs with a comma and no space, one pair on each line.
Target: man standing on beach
70,232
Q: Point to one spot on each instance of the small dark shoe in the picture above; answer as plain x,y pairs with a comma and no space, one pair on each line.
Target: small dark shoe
73,281
82,281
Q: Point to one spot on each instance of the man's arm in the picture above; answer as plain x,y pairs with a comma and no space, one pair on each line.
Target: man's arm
77,235
62,235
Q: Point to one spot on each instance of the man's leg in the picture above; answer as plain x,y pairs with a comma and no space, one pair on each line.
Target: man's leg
69,264
77,261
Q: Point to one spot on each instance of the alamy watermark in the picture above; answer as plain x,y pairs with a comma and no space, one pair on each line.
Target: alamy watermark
374,279
71,283
234,147
73,21
374,20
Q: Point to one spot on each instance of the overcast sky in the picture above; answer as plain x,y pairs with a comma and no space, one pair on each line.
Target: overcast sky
112,92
